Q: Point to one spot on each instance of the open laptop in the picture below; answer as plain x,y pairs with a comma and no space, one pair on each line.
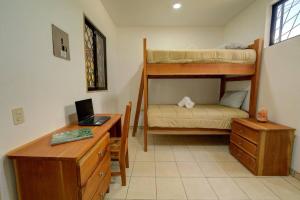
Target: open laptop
85,114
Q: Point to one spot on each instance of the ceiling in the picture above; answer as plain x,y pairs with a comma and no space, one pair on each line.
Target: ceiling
161,13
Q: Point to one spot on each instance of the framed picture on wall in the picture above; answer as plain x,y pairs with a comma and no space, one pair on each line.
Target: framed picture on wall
95,57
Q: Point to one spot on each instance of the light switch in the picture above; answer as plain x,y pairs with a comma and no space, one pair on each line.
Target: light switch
18,116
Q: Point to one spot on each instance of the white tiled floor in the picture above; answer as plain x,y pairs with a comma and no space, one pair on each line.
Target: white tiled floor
194,168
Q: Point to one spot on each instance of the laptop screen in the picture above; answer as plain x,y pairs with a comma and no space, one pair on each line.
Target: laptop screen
84,109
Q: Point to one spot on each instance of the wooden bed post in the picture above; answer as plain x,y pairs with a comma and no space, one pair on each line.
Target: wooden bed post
145,95
138,105
222,87
257,46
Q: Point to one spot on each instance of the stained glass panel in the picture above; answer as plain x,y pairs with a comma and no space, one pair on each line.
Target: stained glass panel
89,56
95,58
101,61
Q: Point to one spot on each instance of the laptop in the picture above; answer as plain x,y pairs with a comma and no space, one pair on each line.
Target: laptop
85,114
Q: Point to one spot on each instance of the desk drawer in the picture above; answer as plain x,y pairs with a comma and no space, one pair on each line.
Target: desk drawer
101,192
92,158
245,132
244,144
243,157
98,176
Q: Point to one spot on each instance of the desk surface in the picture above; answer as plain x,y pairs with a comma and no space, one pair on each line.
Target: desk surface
41,147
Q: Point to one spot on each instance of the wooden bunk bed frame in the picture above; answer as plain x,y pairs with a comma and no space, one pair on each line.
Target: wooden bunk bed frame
236,72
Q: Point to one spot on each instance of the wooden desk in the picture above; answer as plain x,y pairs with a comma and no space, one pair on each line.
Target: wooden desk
72,171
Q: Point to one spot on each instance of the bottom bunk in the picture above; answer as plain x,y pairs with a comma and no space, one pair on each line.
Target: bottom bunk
206,117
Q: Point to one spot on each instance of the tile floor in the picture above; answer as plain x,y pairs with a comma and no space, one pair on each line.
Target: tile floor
196,168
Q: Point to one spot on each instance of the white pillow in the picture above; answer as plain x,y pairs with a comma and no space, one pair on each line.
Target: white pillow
233,99
236,45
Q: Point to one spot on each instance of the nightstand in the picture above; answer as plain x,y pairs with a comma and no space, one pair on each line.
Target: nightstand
264,148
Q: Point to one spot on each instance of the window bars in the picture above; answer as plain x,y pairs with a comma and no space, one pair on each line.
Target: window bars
285,20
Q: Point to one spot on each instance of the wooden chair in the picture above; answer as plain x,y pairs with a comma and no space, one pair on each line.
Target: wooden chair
119,147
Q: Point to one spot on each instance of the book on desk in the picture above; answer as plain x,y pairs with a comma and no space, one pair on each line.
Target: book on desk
70,136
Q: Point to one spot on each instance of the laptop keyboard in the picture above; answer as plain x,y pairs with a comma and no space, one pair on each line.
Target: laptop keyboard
96,120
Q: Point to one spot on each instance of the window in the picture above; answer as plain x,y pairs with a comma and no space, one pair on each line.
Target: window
95,57
285,22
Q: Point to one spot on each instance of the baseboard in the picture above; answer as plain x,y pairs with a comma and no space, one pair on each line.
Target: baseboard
295,174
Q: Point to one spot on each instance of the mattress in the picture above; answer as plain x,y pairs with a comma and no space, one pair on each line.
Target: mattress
200,116
245,56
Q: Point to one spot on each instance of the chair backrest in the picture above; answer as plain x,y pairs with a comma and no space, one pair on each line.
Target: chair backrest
125,130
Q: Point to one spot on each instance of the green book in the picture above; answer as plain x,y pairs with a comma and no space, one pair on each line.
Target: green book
70,136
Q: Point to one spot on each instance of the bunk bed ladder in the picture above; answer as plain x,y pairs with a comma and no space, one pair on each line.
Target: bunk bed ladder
143,91
138,105
145,77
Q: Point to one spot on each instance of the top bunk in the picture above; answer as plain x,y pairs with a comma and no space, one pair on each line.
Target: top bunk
205,62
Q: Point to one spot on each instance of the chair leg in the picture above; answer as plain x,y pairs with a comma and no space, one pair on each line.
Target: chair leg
123,171
127,159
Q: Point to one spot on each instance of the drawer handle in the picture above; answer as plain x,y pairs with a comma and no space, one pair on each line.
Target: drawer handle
102,174
101,153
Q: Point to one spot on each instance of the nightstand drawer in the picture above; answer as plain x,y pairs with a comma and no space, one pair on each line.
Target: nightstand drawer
245,132
243,157
244,144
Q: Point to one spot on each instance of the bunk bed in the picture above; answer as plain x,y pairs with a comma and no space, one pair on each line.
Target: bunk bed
223,64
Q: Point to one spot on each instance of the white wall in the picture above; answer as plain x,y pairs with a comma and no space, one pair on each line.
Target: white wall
44,85
248,25
279,86
130,57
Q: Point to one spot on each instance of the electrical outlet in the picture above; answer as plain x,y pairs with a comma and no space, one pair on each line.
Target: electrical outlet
18,116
